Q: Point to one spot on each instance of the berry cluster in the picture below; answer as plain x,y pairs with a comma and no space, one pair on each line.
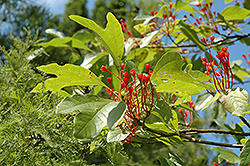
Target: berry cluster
188,116
137,92
221,73
226,162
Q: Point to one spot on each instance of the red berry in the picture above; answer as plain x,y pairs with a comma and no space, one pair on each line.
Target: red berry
125,74
203,40
156,13
212,38
180,111
132,72
143,35
109,79
152,12
130,89
204,59
173,17
186,112
139,76
224,49
129,33
103,68
214,12
147,67
125,80
122,66
123,85
150,73
227,54
244,56
218,74
121,20
171,5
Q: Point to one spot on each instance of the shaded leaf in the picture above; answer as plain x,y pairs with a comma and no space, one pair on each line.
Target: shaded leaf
116,115
81,103
245,154
116,135
191,34
89,123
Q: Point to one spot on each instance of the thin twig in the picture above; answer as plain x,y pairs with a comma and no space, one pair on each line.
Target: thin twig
245,121
188,139
196,131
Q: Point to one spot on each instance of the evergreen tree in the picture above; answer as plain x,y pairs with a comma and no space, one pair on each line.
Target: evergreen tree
73,7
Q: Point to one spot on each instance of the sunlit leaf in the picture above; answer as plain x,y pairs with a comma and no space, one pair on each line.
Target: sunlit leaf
111,37
67,75
227,155
169,77
235,13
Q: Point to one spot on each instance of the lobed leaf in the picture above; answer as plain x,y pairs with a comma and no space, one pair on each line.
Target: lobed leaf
67,75
111,37
169,77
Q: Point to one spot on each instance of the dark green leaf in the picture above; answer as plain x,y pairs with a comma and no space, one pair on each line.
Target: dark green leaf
81,103
89,123
245,154
191,34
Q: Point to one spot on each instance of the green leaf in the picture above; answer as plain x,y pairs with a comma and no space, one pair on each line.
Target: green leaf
191,34
228,1
169,77
146,40
81,103
163,111
111,37
210,101
116,135
116,115
235,101
89,123
245,154
227,155
54,33
235,13
227,127
67,75
166,162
